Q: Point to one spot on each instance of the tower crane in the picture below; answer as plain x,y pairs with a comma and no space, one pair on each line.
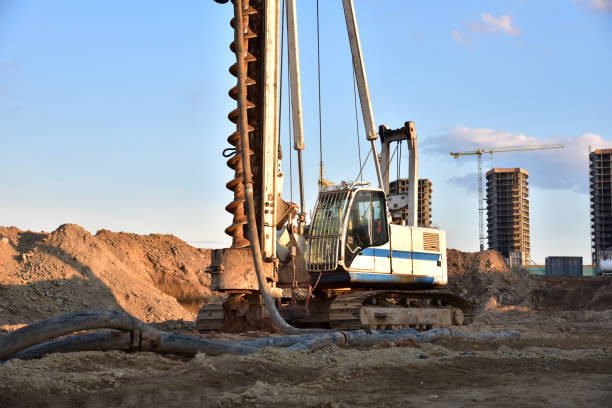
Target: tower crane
479,151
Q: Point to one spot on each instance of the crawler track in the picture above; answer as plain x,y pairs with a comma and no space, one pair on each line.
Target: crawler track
346,310
210,317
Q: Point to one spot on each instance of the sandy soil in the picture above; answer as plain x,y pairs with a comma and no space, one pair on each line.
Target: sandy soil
152,277
563,358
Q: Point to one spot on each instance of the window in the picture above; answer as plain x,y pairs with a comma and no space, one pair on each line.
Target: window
326,231
367,224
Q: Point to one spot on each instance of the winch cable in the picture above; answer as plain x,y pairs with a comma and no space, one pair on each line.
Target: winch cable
399,161
361,168
357,120
280,100
387,169
290,133
247,180
320,115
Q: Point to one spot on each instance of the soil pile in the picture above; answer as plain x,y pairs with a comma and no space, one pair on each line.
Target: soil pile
154,277
573,293
159,278
484,279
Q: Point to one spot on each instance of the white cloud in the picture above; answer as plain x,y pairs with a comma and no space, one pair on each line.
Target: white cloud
462,38
490,24
604,6
565,168
600,6
457,35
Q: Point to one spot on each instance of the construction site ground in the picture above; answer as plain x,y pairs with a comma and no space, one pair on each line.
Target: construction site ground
563,357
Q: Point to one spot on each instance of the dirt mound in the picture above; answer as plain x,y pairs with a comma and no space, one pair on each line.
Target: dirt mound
154,277
175,268
573,293
161,278
483,278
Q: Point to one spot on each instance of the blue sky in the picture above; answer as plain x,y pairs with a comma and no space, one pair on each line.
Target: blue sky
113,114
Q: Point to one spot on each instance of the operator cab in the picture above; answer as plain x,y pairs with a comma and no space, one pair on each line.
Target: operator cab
346,221
350,244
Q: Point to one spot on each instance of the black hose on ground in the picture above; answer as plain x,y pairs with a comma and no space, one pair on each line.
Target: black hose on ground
39,339
66,324
165,343
119,341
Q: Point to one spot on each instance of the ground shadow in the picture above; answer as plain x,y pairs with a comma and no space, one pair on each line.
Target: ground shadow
48,298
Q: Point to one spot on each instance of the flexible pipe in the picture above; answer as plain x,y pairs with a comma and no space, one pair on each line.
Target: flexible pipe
39,339
61,325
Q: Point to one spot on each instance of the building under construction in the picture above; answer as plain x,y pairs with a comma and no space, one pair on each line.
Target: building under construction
508,214
600,163
424,199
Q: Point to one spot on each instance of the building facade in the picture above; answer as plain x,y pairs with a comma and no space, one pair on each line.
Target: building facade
424,199
600,172
508,214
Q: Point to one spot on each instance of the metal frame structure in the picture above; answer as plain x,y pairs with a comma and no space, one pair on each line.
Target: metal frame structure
388,136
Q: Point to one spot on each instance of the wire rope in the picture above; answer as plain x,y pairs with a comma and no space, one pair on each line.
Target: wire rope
388,169
357,119
290,139
280,92
319,88
399,161
362,166
282,55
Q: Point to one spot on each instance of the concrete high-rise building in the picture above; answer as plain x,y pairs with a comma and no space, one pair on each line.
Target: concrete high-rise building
423,198
508,213
600,171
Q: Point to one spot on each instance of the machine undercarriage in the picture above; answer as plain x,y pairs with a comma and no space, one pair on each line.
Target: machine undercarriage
348,309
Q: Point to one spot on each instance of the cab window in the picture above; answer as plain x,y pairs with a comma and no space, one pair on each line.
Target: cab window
367,224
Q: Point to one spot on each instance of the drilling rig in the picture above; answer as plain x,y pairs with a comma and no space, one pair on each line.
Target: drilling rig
353,266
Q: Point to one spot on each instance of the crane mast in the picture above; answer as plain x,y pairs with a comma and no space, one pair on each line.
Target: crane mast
478,152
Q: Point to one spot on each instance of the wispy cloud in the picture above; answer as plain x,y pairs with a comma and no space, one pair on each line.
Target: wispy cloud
491,24
565,168
462,38
602,5
599,6
488,24
457,35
